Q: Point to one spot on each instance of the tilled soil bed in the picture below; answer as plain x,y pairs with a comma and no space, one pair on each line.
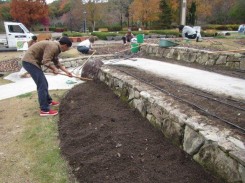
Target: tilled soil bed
104,140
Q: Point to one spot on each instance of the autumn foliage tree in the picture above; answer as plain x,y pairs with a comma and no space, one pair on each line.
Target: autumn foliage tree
118,13
4,11
28,12
215,11
93,13
145,11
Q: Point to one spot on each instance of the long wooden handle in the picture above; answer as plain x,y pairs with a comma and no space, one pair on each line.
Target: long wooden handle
87,60
82,78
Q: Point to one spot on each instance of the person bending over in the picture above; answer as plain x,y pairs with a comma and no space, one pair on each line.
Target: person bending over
86,46
241,28
188,32
45,53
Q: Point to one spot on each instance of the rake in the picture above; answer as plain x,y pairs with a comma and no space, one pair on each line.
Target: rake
78,69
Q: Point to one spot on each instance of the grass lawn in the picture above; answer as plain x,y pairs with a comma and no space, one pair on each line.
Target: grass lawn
30,145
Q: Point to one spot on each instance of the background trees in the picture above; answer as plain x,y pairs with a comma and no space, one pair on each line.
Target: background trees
237,12
144,12
191,16
71,14
118,14
165,15
93,13
123,10
28,12
4,13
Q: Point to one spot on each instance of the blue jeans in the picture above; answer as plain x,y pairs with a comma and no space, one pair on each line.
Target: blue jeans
42,85
194,36
83,49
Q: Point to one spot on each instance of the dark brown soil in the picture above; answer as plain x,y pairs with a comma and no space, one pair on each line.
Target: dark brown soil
219,108
106,141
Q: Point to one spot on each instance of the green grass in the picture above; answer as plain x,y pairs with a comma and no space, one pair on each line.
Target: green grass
40,142
25,95
234,35
41,146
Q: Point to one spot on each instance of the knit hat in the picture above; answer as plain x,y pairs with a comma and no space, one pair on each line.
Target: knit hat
65,40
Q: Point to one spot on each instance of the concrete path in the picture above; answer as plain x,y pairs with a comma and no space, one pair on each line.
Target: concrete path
203,80
25,85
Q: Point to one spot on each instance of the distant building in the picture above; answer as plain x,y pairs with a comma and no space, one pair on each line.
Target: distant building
96,1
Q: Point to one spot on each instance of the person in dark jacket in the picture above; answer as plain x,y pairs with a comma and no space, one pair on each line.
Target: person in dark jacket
127,37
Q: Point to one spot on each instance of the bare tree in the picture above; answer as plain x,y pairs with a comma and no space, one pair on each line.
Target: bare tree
120,10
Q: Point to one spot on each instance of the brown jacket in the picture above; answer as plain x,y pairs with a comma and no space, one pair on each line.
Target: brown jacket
43,53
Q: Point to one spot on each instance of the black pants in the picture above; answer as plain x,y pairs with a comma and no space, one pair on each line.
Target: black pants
193,36
42,85
126,39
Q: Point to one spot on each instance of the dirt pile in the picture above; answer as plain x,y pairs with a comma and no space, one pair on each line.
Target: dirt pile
91,68
106,141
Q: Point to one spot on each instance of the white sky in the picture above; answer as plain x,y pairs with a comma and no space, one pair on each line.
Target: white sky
207,81
49,1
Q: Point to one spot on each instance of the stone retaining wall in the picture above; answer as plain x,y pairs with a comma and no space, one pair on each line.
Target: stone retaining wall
75,62
218,150
231,60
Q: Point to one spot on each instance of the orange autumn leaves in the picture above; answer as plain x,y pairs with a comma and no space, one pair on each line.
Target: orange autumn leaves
148,10
28,12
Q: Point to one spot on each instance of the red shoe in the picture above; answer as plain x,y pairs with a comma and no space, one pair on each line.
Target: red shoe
49,113
54,103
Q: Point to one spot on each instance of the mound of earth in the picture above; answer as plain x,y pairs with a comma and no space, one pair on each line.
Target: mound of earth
104,140
71,53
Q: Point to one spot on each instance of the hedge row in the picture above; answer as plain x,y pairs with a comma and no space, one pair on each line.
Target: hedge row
74,34
104,35
54,29
116,28
173,32
229,27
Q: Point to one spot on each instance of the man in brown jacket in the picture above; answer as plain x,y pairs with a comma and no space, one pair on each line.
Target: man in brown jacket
45,53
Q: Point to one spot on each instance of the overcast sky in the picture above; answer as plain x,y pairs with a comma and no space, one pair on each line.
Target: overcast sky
49,1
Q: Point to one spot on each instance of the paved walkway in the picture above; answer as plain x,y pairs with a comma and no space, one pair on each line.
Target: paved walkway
25,85
204,80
